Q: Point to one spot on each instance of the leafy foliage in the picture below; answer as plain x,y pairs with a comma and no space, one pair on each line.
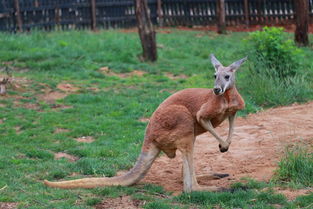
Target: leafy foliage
270,49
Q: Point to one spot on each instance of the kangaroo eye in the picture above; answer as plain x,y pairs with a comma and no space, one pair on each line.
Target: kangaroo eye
214,76
226,77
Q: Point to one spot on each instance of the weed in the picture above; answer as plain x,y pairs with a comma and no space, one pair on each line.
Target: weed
296,166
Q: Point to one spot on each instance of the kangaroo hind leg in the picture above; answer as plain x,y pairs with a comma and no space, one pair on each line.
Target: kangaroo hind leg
189,178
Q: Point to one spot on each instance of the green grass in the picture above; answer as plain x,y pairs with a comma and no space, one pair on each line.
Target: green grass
296,167
29,139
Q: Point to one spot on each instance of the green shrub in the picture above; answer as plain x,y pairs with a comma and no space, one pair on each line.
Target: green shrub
270,49
296,166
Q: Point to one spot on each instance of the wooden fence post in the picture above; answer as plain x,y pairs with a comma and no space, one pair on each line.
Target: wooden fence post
93,15
146,31
18,16
246,12
160,12
57,15
221,26
302,20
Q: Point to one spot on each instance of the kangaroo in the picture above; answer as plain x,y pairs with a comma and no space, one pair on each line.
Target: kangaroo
174,126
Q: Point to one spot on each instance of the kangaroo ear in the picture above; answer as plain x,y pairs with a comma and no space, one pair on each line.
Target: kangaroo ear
237,64
215,62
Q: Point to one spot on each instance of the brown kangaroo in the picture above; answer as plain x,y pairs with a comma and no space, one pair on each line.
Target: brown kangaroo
175,125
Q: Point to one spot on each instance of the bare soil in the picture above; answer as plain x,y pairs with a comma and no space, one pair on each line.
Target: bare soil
109,72
258,144
67,87
69,157
175,77
85,139
292,194
124,202
52,96
8,205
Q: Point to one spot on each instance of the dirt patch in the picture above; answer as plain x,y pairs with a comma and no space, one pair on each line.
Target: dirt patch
8,205
31,106
144,120
59,106
175,77
258,144
52,96
85,139
66,87
293,194
108,72
60,155
94,89
17,129
61,130
121,202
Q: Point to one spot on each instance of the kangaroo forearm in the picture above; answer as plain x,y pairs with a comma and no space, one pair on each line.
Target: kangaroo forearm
231,120
207,125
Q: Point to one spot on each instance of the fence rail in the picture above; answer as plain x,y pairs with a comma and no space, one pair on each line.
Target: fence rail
25,15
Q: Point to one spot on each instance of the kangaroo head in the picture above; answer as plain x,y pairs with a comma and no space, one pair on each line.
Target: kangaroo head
224,76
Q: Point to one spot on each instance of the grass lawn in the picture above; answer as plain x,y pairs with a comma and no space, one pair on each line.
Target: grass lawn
62,92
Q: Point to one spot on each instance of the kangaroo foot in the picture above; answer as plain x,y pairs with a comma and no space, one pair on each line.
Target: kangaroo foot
207,188
214,176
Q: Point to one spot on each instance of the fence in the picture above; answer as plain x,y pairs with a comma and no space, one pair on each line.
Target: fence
24,15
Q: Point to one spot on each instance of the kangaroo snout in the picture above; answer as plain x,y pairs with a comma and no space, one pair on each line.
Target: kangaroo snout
223,149
217,91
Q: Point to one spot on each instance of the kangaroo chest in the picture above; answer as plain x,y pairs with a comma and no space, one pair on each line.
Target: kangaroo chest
225,109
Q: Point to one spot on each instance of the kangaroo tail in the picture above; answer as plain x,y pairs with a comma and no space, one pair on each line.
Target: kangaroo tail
140,169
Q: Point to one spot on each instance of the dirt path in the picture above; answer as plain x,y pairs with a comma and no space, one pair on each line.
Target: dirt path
258,143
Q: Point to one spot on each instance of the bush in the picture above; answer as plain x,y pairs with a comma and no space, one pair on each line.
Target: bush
274,76
270,49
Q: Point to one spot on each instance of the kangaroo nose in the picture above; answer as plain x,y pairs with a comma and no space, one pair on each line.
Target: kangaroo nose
217,91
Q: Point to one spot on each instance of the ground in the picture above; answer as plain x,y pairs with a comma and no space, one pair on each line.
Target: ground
258,144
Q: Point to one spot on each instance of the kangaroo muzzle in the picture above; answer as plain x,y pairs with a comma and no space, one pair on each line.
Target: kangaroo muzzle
217,90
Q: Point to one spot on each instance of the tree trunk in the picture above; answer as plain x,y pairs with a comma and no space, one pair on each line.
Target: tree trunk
302,20
146,31
18,16
93,15
246,12
160,12
221,26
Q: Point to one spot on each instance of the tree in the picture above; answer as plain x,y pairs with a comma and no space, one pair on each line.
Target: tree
302,20
146,31
221,26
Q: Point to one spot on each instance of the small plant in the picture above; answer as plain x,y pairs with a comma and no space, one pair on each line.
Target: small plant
272,50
